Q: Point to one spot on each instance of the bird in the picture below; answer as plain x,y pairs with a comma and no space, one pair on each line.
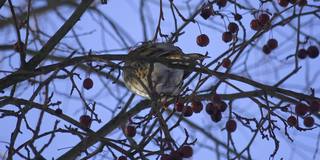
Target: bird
154,78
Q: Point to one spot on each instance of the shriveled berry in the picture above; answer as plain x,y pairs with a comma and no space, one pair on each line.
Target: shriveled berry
302,53
179,106
187,111
85,120
283,3
301,109
175,155
231,125
58,111
227,37
206,12
266,49
196,106
292,121
308,121
264,19
302,3
216,117
202,40
255,24
186,151
130,131
88,83
315,107
272,43
233,27
237,17
313,52
122,158
226,63
221,3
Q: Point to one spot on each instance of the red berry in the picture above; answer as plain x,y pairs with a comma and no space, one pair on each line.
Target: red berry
308,121
302,2
283,3
130,131
233,27
221,3
58,111
186,151
301,109
179,106
187,111
216,97
166,157
196,106
122,158
216,106
264,19
85,120
272,43
206,12
266,49
88,83
231,125
226,63
255,24
237,17
292,121
227,37
202,40
222,106
216,117
175,155
211,108
315,107
302,53
313,52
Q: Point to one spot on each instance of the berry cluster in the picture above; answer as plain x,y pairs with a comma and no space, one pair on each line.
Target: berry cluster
271,45
215,108
196,107
285,3
227,36
302,110
260,22
312,52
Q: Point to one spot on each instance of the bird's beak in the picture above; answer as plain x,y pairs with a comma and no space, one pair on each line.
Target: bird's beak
198,56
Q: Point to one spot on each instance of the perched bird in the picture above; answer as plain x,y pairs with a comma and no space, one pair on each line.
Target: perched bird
145,78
